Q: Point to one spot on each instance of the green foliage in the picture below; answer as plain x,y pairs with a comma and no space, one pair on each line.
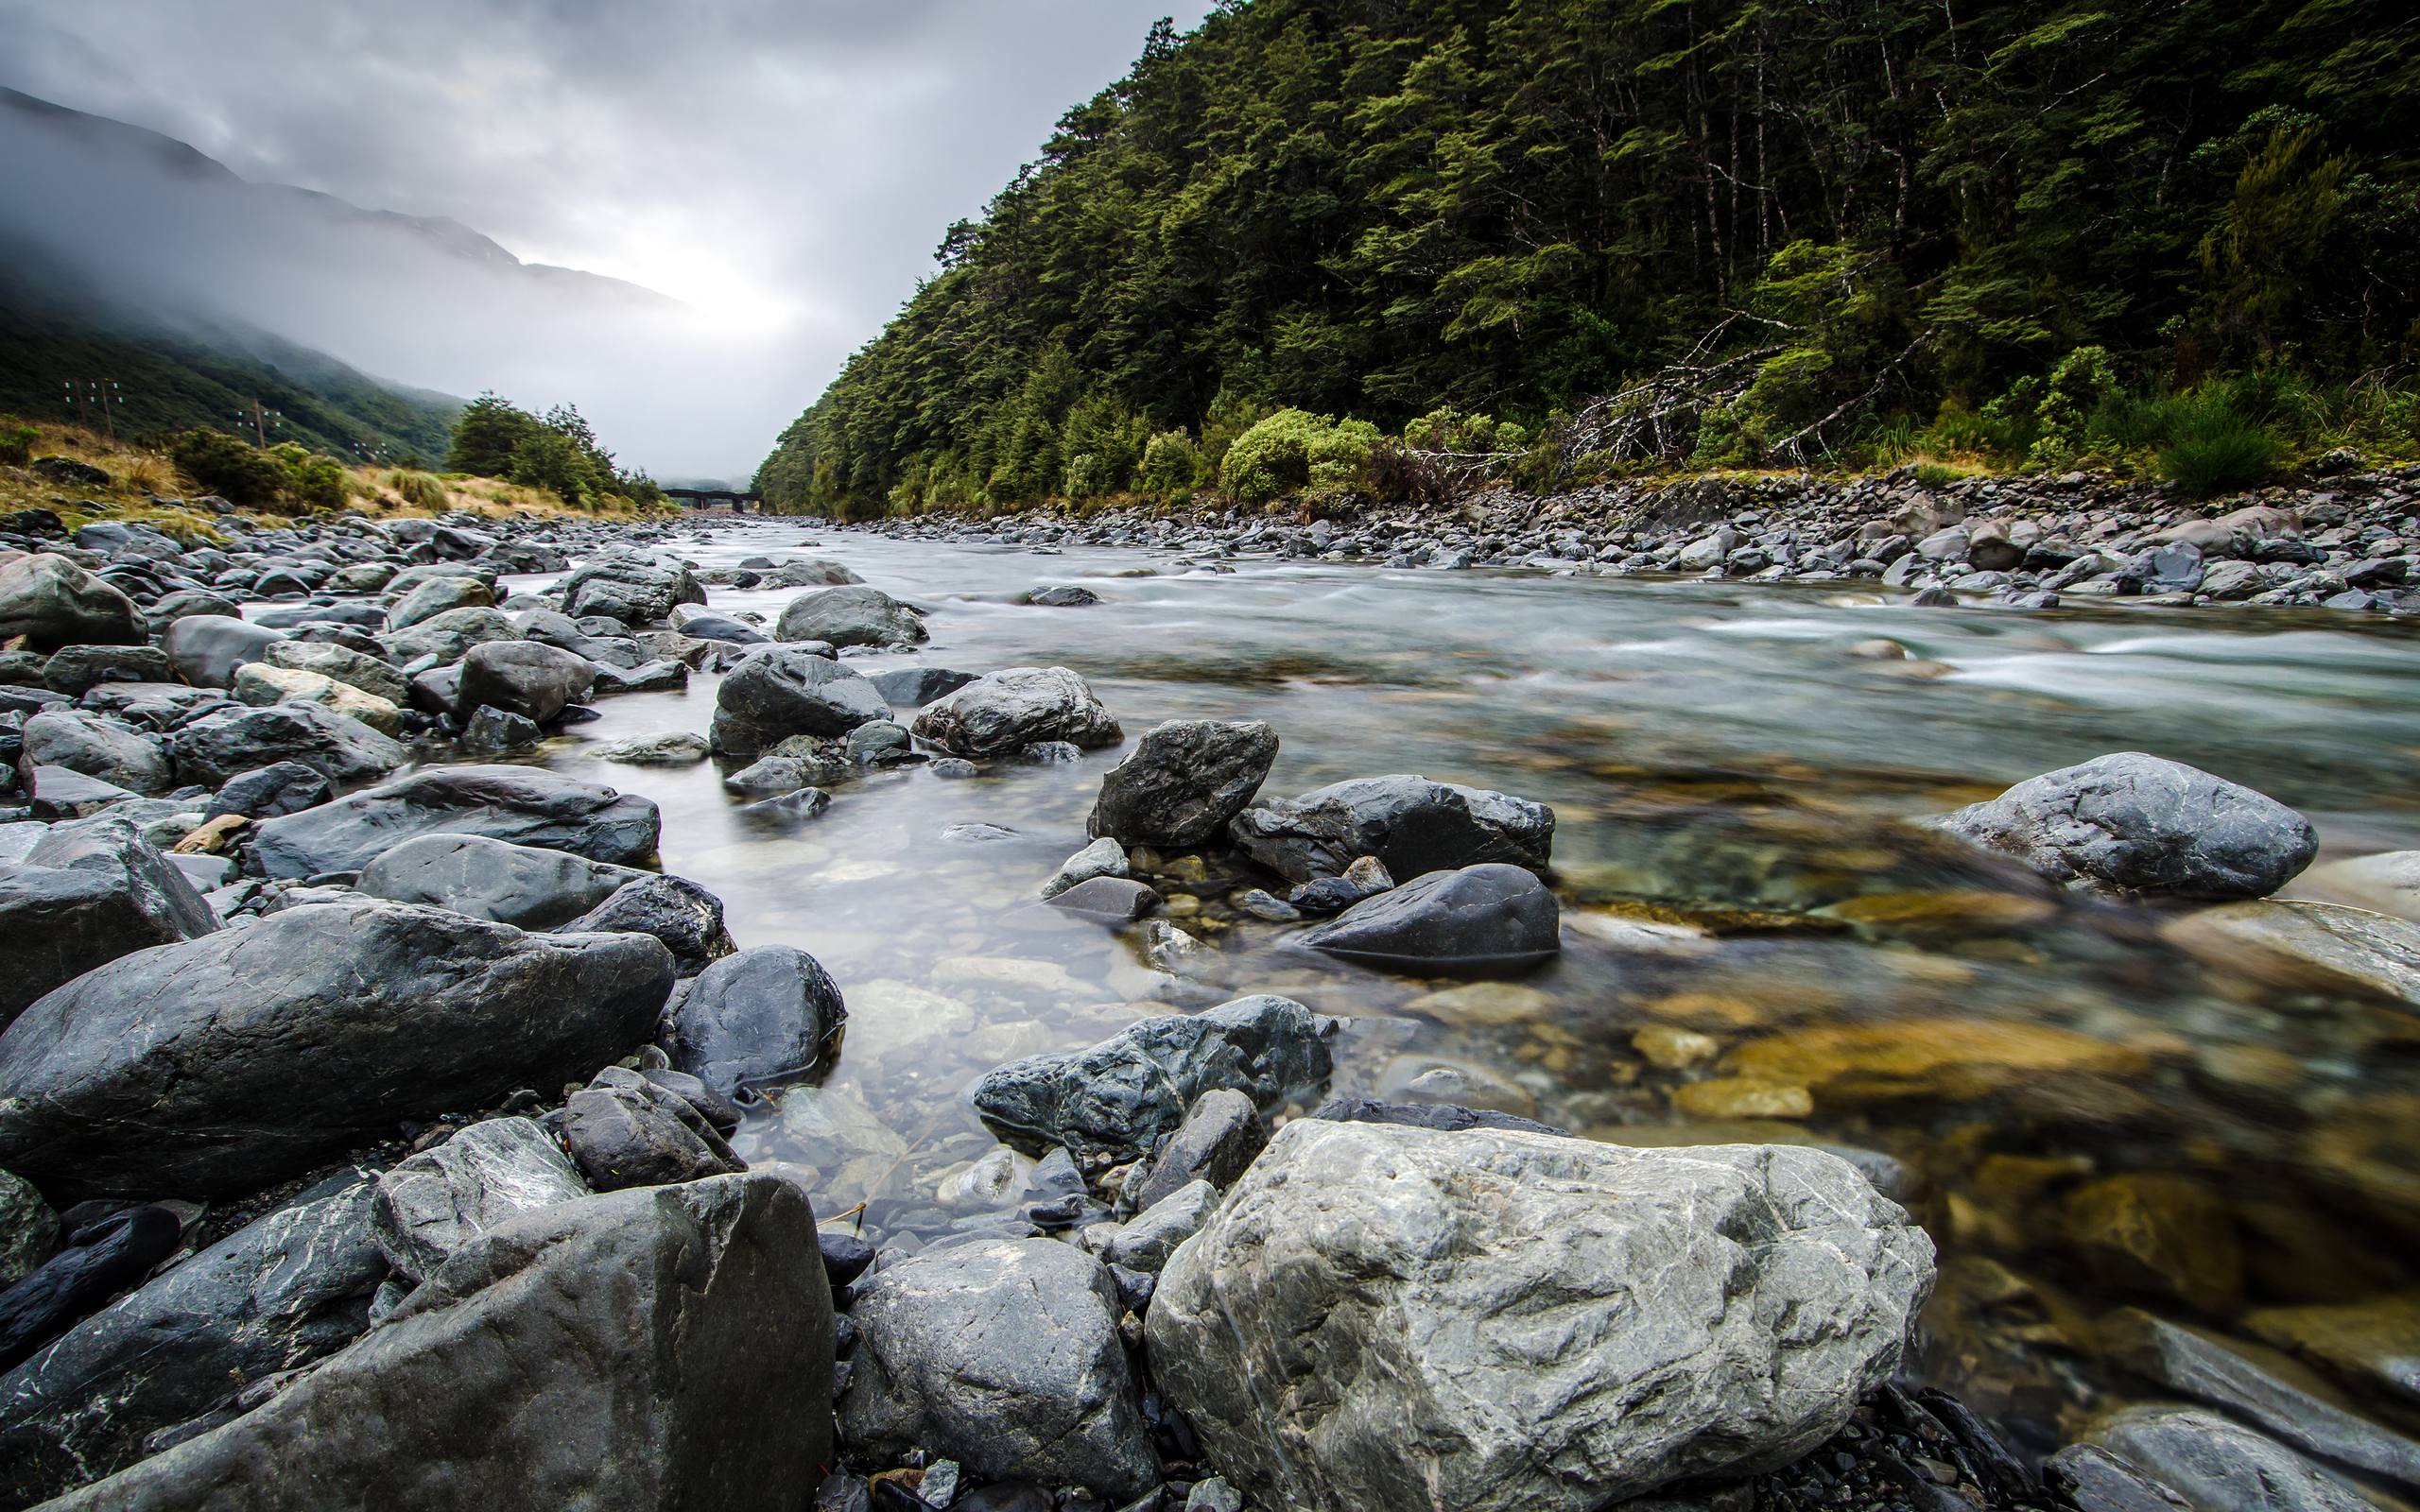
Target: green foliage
558,452
1449,430
489,433
319,481
1171,465
2213,446
17,444
419,490
233,469
2077,388
1294,451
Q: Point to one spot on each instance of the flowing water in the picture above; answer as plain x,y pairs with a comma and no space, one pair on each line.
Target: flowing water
1759,940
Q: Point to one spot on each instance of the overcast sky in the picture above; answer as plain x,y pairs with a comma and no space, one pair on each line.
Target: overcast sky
784,166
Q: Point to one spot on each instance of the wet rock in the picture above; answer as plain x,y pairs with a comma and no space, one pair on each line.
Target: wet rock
791,808
207,648
491,731
780,691
705,625
1002,712
852,615
345,751
154,1072
655,1348
438,1200
1005,1356
259,685
685,916
756,1018
2091,1479
1122,1094
75,670
880,742
1110,899
83,897
52,603
1411,824
100,1261
522,804
1442,1117
29,1231
1146,1243
528,887
625,1131
1183,782
1384,1294
1064,596
914,687
2385,883
2301,947
1949,1059
1491,919
2134,823
277,1295
2157,1235
98,748
432,596
2221,1466
1221,1133
774,774
1104,857
674,748
630,589
341,664
523,677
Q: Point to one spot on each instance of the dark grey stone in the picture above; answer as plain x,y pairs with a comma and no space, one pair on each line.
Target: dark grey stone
1491,920
851,615
76,669
755,1017
779,691
914,687
98,747
522,678
1184,783
1110,899
435,1202
2218,1464
1065,595
685,916
100,1261
521,804
1221,1133
526,885
207,648
85,897
342,749
794,807
624,1131
1003,712
52,602
267,792
1446,1117
2093,1479
1411,824
491,731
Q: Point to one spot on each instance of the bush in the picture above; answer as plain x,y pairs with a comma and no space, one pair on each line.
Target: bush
1448,430
419,490
1295,450
1171,465
319,481
228,467
17,444
2077,387
2214,445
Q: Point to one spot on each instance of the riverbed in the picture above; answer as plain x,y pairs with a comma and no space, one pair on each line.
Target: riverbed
1761,940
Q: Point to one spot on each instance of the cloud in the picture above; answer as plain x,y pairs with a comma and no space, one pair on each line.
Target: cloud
785,167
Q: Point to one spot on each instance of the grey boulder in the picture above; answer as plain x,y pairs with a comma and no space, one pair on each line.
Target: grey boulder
343,664
84,896
1221,1134
1184,783
624,1130
2219,1465
851,615
2134,823
1002,712
226,1063
52,602
207,648
754,1017
523,677
96,746
685,916
779,691
1381,1316
1003,1355
338,747
659,1349
1411,824
914,687
1122,1094
526,885
522,804
488,1173
1485,920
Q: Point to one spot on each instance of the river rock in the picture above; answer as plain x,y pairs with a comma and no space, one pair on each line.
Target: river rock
207,648
491,731
851,615
2150,1233
1123,1094
1411,824
2134,823
1003,1355
685,916
85,896
343,664
345,751
1183,782
1491,919
2220,1466
673,748
1144,1244
625,1131
705,625
489,1173
2301,947
914,687
432,596
75,670
779,691
30,1231
755,1017
1104,857
523,677
100,1260
523,804
1934,1058
629,588
223,1064
259,685
2092,1479
1492,1320
1221,1134
658,1347
526,885
1003,712
98,748
52,603
267,792
277,1295
1108,900
448,637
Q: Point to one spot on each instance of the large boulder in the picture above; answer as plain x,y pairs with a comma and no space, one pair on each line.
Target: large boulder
97,746
2133,823
223,1064
1003,1355
343,664
2219,1465
432,596
207,648
52,602
1492,1320
85,895
657,1348
102,1257
632,588
685,918
523,677
522,804
1485,920
779,691
1411,824
1002,712
1183,782
1120,1095
340,748
757,1016
526,885
278,1293
854,615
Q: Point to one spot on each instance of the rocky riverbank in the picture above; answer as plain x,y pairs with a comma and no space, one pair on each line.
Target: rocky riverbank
371,1108
2349,544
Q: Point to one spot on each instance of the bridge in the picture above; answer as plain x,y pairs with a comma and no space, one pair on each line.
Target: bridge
738,501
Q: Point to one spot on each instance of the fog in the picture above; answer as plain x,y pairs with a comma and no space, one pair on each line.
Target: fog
771,178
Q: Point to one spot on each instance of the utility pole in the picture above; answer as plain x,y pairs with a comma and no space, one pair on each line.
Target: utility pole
97,393
260,422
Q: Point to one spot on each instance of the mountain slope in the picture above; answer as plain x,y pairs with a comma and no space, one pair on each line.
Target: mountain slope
1786,226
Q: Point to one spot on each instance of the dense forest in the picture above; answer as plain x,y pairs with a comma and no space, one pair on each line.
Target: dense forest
1578,237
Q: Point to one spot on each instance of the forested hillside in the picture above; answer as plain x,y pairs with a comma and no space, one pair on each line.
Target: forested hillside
1666,232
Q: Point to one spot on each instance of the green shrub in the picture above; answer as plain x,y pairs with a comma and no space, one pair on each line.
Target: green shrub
1295,450
319,481
419,490
1171,465
17,444
1089,475
1449,430
2214,444
228,467
2077,387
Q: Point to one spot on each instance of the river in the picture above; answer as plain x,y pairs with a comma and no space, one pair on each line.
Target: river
2083,1112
